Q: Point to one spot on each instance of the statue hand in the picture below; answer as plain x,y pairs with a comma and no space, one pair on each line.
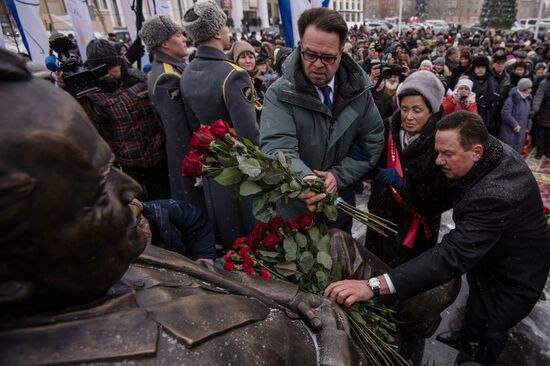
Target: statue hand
305,304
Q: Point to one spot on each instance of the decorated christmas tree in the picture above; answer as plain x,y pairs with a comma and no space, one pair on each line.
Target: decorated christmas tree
498,13
422,8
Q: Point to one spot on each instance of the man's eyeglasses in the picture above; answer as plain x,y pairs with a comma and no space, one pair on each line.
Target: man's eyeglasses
325,59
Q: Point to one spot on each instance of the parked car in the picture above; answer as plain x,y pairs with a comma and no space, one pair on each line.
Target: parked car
378,25
438,26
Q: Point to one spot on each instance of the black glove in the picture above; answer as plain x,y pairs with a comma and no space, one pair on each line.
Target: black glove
136,51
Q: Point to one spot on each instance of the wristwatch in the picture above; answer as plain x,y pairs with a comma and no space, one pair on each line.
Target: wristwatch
374,284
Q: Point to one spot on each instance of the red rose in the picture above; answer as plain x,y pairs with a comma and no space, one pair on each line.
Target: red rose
202,139
293,224
249,271
228,255
306,221
265,273
248,262
271,241
244,251
229,266
275,223
260,228
219,128
193,164
238,242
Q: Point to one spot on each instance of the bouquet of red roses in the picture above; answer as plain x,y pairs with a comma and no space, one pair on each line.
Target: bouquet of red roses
217,153
299,252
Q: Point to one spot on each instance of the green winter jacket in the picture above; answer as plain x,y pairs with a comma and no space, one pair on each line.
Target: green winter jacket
295,121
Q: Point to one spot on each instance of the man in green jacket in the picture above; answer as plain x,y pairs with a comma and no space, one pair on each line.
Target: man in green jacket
319,110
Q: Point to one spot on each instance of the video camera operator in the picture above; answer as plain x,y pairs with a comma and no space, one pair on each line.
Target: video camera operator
124,116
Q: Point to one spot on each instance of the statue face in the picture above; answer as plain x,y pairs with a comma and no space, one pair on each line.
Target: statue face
68,233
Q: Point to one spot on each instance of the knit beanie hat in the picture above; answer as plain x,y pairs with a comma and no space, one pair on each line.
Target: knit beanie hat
101,51
427,62
524,83
425,83
238,48
439,61
203,20
158,29
464,82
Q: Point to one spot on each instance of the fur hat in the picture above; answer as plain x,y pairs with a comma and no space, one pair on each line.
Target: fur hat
203,20
481,61
425,83
238,48
101,51
158,29
524,83
498,59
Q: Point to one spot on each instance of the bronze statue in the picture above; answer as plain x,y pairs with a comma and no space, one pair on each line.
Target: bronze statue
78,284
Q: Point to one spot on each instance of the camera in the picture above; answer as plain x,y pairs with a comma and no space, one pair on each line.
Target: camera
463,98
79,81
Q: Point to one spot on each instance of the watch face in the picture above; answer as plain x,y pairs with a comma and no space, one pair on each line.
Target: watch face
374,282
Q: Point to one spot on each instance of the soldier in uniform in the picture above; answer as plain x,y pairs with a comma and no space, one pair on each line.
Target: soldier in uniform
214,88
165,40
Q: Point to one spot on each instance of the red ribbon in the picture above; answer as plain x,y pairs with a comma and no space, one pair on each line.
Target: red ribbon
395,163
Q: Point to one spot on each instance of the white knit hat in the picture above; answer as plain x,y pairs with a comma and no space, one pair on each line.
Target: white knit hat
464,82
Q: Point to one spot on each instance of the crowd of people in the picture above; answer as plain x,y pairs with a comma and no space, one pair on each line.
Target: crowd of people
435,121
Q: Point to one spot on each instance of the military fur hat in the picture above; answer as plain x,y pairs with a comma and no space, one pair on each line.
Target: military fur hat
203,20
157,30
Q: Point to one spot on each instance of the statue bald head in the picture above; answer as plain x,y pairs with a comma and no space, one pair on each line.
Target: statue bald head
67,233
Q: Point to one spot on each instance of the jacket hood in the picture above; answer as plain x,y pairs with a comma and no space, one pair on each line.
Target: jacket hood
516,96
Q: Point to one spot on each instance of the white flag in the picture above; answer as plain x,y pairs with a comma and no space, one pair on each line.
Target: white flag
82,24
160,7
31,27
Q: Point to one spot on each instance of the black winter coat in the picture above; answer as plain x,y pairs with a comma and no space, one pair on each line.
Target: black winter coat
501,240
426,192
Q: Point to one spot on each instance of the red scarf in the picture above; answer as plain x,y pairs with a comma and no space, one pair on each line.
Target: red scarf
395,163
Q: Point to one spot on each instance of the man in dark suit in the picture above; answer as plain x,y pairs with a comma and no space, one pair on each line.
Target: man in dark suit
501,240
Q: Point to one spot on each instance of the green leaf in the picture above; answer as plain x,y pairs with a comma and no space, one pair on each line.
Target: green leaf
249,188
301,240
336,272
282,159
286,268
295,185
314,234
306,262
229,176
294,194
275,196
331,212
249,166
323,245
269,254
249,144
290,248
324,259
261,208
273,177
285,187
357,317
322,279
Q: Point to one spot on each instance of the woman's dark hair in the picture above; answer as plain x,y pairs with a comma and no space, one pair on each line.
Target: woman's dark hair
469,125
324,19
414,93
